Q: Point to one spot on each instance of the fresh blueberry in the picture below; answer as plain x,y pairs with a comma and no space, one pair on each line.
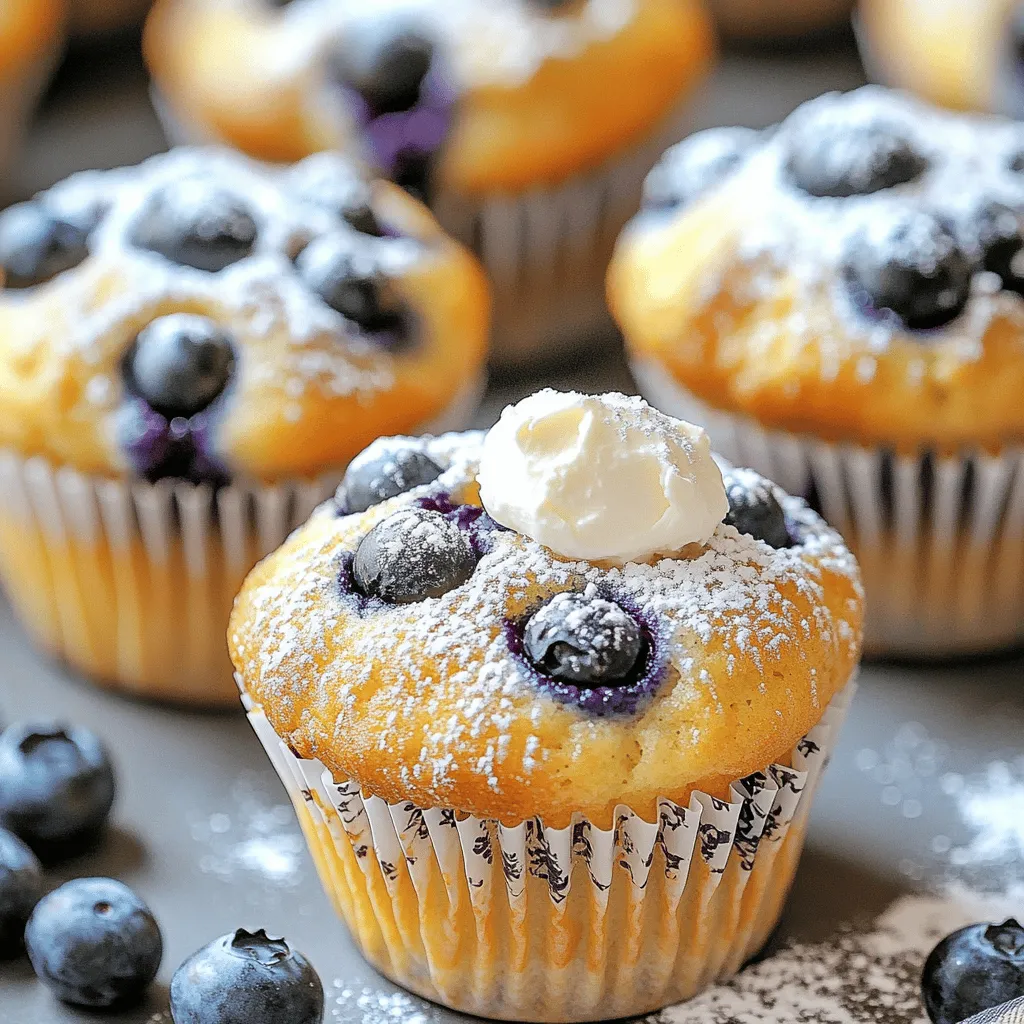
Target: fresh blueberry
346,276
694,165
94,943
973,969
197,224
754,508
412,555
56,787
21,888
836,159
385,61
387,468
583,639
247,978
910,266
36,245
179,364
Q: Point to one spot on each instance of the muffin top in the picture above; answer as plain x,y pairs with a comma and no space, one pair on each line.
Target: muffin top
415,644
472,95
855,273
202,316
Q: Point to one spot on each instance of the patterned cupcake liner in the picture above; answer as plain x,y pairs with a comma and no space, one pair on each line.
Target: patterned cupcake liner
940,539
545,250
131,583
581,923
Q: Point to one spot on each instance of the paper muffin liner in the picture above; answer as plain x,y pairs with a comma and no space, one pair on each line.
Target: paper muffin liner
940,538
132,583
545,250
572,924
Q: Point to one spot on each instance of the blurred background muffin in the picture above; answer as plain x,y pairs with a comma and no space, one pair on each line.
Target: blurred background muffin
527,125
191,351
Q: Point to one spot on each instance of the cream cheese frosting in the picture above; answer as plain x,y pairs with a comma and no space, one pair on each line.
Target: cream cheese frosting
601,477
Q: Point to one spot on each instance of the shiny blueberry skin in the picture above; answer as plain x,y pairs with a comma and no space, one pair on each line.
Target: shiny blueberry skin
583,639
56,787
21,888
754,509
247,978
841,160
36,245
94,943
412,555
973,969
196,225
912,268
179,364
693,166
384,471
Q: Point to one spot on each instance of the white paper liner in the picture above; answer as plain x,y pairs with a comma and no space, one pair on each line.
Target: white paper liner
545,250
572,924
940,539
130,582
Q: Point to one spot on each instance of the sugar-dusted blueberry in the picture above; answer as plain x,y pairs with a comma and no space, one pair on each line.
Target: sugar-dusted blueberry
196,224
754,509
247,978
583,639
999,235
388,467
36,245
911,266
94,943
412,555
56,787
385,60
329,181
973,969
348,277
21,888
694,165
838,158
179,364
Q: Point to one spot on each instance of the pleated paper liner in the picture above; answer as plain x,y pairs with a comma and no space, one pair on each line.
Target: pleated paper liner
131,583
940,539
572,924
545,250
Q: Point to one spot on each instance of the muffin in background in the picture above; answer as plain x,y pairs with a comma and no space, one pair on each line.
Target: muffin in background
840,301
191,351
527,125
553,736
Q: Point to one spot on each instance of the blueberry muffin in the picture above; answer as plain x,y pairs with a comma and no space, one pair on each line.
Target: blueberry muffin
191,351
841,299
31,41
969,56
551,713
527,125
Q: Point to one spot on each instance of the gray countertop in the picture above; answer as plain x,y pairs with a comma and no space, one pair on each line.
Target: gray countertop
202,829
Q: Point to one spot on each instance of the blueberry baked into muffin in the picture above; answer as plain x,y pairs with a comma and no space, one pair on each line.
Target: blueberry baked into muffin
551,704
527,125
969,56
840,300
191,351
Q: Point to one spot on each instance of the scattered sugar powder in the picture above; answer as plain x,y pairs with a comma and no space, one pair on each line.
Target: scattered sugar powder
255,839
369,1005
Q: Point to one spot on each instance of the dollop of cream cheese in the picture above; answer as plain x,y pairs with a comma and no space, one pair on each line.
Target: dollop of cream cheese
601,477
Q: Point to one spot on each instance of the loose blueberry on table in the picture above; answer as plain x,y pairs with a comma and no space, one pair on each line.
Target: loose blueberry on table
36,245
584,640
753,508
973,969
94,943
56,788
384,472
412,555
21,888
247,978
